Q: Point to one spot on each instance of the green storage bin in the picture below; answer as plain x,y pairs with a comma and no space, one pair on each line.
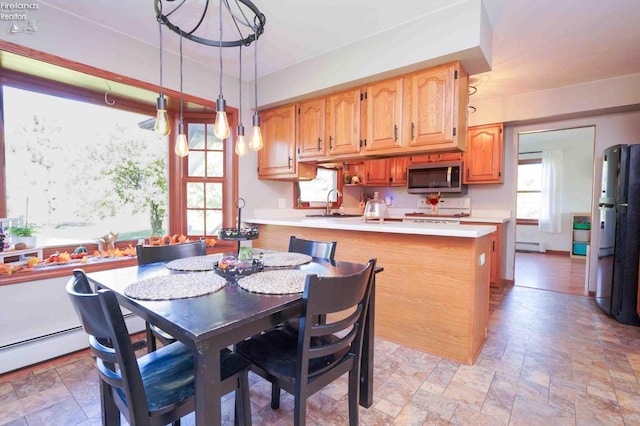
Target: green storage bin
580,225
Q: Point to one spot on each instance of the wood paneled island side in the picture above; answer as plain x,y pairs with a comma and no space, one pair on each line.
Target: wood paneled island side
434,292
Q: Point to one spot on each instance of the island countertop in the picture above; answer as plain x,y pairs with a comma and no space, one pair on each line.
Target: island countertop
390,227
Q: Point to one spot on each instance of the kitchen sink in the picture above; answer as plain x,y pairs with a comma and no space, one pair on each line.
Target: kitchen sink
334,215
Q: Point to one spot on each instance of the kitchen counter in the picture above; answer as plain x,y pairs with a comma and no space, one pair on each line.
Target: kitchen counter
389,227
434,291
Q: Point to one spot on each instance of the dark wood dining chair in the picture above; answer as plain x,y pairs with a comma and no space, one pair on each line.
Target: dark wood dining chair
319,249
157,388
304,363
154,254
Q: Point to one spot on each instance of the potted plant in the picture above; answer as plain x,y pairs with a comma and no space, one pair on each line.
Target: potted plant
24,234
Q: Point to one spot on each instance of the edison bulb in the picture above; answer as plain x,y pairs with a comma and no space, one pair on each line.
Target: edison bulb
255,142
241,146
182,145
256,138
162,123
221,126
161,126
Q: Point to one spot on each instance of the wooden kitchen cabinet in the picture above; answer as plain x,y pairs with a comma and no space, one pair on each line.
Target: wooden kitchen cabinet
398,170
376,172
436,102
386,171
277,159
484,159
384,115
343,122
311,128
434,158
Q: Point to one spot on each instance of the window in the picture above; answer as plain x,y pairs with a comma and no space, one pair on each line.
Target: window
529,189
79,170
314,192
204,180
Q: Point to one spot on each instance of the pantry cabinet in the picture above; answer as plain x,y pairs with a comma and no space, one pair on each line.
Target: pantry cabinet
277,159
343,122
384,115
436,100
311,128
484,159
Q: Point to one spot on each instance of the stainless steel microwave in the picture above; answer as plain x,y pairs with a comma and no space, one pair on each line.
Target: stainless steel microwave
435,177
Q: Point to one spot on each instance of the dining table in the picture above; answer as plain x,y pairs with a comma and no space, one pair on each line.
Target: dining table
219,319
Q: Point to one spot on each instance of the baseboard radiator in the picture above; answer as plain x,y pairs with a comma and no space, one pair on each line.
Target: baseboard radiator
538,247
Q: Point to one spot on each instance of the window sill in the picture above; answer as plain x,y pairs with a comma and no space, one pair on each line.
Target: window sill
55,271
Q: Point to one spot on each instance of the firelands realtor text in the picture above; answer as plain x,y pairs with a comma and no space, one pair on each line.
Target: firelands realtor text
10,11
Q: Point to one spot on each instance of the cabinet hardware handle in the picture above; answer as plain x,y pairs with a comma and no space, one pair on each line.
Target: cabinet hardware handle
330,142
298,150
395,132
319,140
289,162
467,173
493,246
413,126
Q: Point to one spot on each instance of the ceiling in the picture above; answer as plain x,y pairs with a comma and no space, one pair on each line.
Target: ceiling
537,45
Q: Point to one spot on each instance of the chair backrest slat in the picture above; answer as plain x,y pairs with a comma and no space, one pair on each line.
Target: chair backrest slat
153,254
319,249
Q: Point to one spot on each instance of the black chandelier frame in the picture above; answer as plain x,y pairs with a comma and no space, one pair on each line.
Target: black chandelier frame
259,21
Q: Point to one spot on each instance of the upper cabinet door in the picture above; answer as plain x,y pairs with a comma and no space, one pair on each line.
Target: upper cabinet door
439,98
311,128
484,159
278,156
384,115
343,122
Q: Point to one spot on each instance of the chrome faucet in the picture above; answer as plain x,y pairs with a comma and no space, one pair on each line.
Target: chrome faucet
338,194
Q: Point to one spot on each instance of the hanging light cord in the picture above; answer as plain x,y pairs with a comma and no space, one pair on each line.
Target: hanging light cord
220,47
255,64
181,92
160,37
240,84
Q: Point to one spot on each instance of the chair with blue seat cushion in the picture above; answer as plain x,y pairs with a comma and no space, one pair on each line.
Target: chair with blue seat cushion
305,362
156,389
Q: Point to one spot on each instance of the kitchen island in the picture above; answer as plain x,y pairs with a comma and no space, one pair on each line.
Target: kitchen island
434,292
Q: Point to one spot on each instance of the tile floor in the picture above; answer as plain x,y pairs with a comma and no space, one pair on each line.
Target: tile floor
551,358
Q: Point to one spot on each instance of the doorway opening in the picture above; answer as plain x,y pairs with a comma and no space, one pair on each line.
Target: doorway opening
555,183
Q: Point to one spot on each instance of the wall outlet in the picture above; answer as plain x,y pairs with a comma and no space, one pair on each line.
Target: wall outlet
282,203
482,259
422,202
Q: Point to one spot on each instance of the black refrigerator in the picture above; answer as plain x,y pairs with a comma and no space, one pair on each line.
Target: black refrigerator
619,249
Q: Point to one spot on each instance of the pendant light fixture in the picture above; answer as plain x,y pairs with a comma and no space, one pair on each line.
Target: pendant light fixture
256,134
191,14
241,144
221,125
182,144
162,119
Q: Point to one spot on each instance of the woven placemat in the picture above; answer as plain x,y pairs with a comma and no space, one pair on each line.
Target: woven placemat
281,281
194,263
280,258
175,286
